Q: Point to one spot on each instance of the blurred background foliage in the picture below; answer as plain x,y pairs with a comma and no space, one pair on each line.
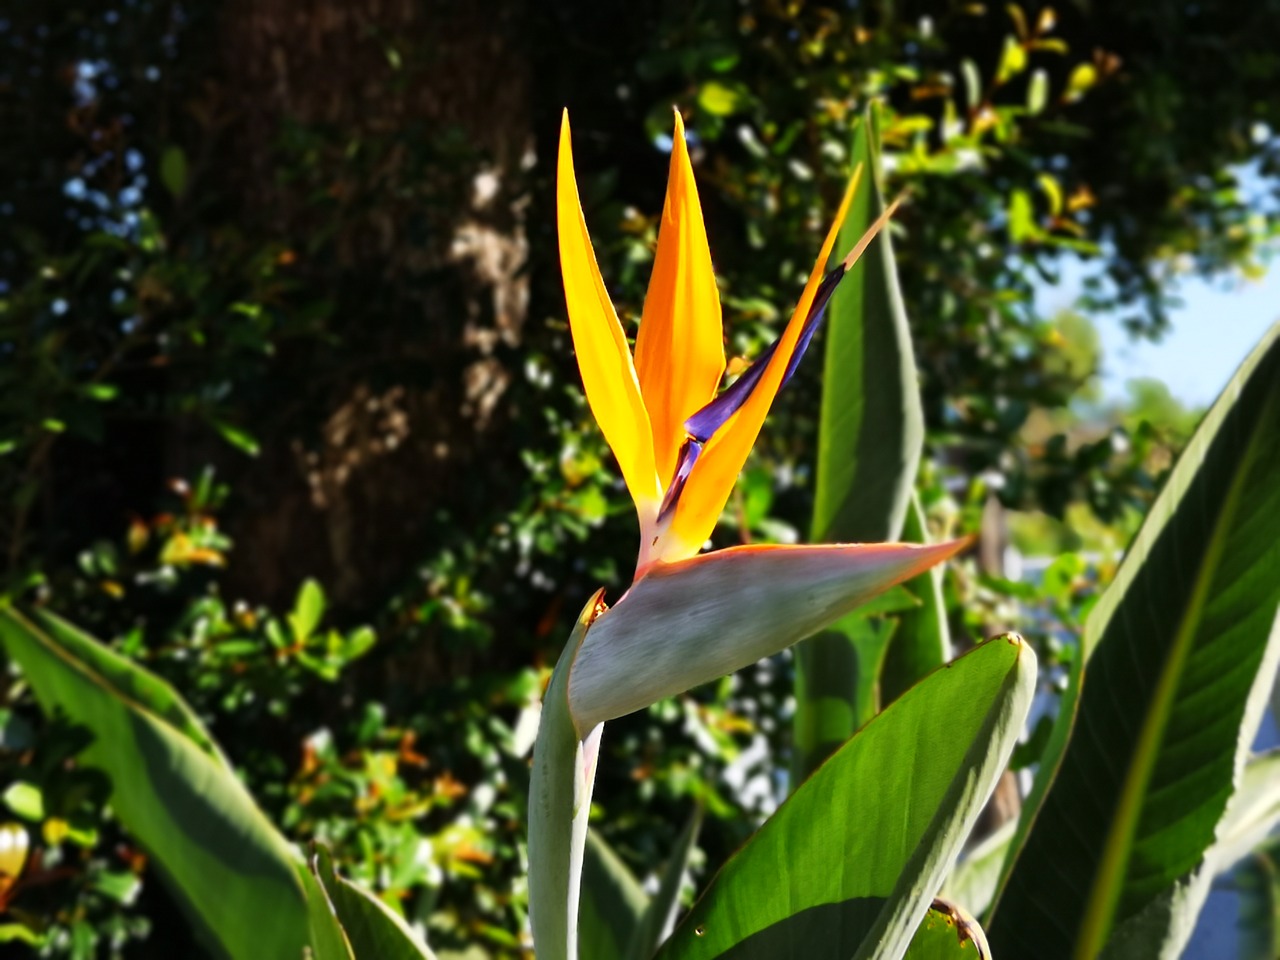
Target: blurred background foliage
288,407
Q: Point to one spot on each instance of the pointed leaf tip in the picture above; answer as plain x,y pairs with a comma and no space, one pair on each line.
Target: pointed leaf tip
689,622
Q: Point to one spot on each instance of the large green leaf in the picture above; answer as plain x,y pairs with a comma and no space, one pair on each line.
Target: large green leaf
848,866
171,787
1178,658
373,930
870,433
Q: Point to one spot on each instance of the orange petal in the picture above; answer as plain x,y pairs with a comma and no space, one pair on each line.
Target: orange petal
680,348
604,358
690,622
717,471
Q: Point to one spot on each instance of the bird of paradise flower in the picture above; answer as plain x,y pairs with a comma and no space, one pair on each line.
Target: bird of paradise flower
680,442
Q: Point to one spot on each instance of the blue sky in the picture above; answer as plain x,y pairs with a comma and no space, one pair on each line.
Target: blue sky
1212,332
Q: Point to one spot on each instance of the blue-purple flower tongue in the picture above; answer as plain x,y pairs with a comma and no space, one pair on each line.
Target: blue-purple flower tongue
703,424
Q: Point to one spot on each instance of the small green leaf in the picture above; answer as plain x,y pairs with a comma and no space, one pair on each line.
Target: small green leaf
14,932
1037,92
122,886
173,170
308,609
972,83
26,800
102,392
1082,79
1022,226
948,932
238,438
1049,185
720,99
1013,60
359,642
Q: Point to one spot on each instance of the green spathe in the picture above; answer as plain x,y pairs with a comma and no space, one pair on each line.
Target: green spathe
696,620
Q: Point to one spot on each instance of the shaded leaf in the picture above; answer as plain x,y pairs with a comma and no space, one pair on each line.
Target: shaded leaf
870,433
660,914
612,902
171,788
373,930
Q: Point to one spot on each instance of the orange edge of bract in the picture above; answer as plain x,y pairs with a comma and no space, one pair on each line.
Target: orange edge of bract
604,357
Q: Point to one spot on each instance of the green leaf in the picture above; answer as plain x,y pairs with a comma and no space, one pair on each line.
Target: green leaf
972,883
564,769
849,865
660,914
871,429
173,170
1022,223
1174,669
1257,882
922,641
948,932
373,930
26,800
240,439
612,903
359,642
837,681
721,99
972,83
328,939
1082,79
1252,814
171,788
307,610
1013,60
13,932
618,919
1037,92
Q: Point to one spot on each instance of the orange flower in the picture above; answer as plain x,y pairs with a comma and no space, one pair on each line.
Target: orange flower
681,442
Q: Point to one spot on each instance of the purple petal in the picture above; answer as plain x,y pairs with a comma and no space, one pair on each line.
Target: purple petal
689,454
703,424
